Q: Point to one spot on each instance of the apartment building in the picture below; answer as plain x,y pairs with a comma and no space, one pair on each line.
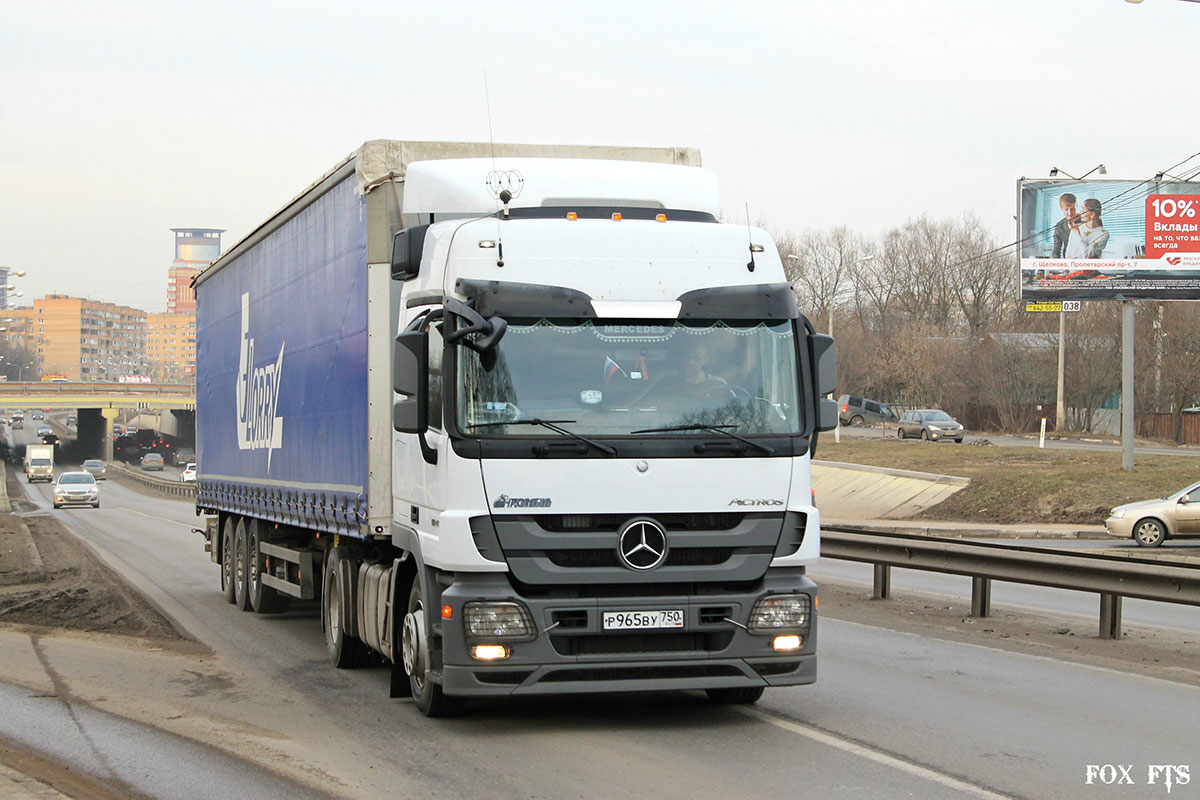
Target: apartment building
86,340
171,347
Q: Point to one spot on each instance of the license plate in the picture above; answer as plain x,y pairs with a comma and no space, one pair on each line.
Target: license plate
635,620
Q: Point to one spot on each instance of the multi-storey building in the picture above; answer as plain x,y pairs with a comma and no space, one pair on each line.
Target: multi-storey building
171,347
87,340
195,249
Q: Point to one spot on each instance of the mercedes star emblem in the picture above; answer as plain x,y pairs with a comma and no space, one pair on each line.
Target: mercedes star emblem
642,545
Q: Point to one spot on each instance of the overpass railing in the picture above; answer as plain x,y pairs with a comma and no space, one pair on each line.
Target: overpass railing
1112,577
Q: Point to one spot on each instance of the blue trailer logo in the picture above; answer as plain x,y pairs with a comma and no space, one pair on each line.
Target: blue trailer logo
259,426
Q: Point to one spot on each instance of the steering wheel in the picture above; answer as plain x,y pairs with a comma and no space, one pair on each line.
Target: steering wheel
725,391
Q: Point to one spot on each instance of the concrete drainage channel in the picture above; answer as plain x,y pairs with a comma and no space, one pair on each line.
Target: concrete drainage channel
163,485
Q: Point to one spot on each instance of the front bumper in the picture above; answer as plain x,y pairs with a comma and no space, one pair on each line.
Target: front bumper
1120,526
76,500
572,654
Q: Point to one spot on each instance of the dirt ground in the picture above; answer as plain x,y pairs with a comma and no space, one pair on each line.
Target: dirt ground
50,580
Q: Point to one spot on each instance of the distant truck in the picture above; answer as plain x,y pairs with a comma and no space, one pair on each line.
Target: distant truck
39,463
523,425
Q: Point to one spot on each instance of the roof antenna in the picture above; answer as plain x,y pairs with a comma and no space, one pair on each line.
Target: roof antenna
491,183
750,237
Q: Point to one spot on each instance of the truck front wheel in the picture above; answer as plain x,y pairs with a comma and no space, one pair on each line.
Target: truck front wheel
414,643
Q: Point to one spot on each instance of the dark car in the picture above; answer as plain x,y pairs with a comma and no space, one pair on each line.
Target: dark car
855,410
930,425
152,462
182,455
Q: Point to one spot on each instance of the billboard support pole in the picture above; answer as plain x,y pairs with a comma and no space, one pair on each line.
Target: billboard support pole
1127,385
1060,411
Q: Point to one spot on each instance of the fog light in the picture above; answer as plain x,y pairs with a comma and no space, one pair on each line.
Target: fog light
490,652
504,620
780,611
783,643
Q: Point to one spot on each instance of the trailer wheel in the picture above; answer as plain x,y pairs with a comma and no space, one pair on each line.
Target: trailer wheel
263,598
227,572
427,695
241,567
345,650
742,695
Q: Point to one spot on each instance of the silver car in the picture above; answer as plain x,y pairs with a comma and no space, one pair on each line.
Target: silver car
930,425
1151,522
76,489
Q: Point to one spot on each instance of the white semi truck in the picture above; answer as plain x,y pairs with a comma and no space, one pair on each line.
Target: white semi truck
523,424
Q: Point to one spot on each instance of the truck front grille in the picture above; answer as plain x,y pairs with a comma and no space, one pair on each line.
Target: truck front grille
610,523
607,557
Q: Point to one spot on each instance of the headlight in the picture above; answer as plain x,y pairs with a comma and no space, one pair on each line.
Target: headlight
1117,513
779,611
506,620
934,428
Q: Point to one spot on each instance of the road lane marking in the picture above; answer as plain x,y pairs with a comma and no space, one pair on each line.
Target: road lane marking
871,754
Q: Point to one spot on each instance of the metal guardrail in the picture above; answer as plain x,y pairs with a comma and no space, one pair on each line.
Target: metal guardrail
161,484
1113,577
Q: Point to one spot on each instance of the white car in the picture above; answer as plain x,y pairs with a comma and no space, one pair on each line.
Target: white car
76,489
188,474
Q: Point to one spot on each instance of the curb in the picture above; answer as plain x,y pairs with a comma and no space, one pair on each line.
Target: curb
903,473
5,504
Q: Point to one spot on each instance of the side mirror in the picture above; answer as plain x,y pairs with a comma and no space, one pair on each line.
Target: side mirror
827,414
824,361
410,368
1183,501
407,247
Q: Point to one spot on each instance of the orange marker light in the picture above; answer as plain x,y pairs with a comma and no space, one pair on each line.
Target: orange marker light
816,602
447,612
661,217
617,217
572,215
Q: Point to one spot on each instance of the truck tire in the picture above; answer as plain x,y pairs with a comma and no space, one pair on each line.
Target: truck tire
263,599
344,649
742,695
227,571
241,566
414,644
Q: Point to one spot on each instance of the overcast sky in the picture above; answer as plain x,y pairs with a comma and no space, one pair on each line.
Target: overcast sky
121,120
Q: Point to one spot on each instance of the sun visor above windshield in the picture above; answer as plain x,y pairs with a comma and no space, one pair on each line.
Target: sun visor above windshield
517,300
761,301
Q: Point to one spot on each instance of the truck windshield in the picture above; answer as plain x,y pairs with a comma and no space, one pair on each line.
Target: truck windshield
615,378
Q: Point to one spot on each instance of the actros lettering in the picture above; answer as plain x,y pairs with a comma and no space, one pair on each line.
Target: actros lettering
744,501
259,425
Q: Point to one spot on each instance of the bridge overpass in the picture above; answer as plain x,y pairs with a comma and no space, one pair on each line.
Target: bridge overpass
96,406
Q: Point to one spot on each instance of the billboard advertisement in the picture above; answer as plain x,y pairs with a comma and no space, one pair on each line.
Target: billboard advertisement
1109,239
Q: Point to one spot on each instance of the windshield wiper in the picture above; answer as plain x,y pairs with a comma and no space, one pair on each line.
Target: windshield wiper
715,429
552,424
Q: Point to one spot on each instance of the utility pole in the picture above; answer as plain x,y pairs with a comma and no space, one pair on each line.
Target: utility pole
1060,411
1127,385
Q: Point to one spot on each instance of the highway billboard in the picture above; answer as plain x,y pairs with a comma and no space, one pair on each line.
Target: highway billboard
1109,239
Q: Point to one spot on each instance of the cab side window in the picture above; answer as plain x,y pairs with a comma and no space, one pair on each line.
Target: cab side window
436,346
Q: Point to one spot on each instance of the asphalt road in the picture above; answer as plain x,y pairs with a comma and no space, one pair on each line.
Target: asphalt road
892,715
